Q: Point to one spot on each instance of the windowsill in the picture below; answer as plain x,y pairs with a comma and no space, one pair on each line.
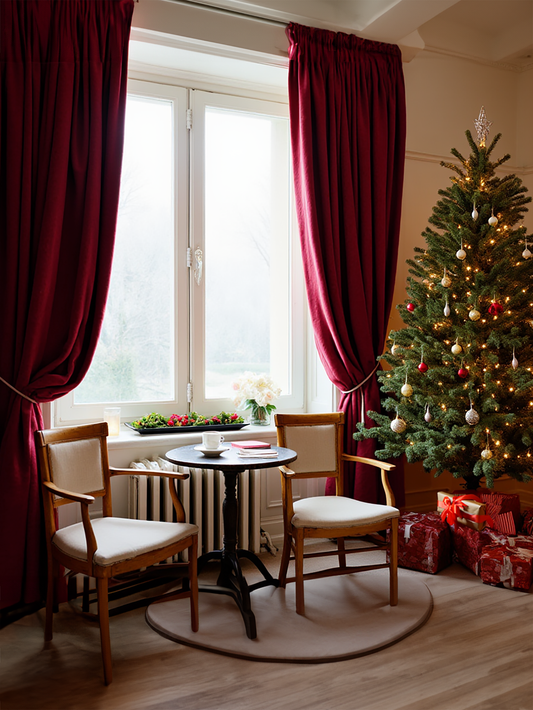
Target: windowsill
128,439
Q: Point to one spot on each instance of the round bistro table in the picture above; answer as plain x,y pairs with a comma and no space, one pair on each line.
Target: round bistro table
231,580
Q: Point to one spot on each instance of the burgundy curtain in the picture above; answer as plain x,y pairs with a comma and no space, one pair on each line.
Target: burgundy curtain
63,72
347,112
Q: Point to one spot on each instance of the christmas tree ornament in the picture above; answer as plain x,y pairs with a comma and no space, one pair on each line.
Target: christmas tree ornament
461,254
486,454
446,280
406,390
427,416
493,221
456,348
482,125
398,425
474,212
394,348
474,314
495,308
410,307
526,253
514,361
472,417
463,373
422,367
447,309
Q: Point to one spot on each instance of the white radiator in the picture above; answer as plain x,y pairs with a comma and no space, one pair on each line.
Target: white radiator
202,495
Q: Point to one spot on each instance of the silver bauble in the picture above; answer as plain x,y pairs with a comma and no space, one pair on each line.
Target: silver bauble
398,425
472,417
456,349
514,362
461,254
394,349
407,390
446,281
474,314
447,309
428,416
474,213
493,221
486,454
526,253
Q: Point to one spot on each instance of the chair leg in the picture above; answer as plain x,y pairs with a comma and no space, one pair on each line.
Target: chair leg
394,562
285,557
193,582
53,574
299,572
342,553
103,618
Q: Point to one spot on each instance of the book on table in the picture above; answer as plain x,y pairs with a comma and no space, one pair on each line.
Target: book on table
251,444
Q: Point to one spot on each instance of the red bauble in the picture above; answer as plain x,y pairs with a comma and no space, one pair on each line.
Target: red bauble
423,367
462,372
410,307
495,309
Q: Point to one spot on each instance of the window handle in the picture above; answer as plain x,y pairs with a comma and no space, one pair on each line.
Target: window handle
198,265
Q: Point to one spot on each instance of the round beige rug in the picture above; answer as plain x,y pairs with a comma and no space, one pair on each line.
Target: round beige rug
345,617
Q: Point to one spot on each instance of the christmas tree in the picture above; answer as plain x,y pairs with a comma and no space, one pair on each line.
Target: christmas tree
459,391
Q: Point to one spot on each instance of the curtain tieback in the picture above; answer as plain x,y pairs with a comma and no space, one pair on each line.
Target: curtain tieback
362,396
354,389
17,391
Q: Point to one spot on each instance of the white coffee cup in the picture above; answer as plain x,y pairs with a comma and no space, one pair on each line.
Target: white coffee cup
211,439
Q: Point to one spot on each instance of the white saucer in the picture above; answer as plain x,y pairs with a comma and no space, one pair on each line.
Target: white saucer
211,453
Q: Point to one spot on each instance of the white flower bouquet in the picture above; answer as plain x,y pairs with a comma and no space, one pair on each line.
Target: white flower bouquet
256,392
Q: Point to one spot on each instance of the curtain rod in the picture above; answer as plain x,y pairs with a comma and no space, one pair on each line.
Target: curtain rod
226,11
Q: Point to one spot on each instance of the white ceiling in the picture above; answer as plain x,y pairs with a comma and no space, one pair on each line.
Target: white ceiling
491,30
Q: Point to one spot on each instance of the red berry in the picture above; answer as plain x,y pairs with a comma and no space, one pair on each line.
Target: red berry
410,307
423,367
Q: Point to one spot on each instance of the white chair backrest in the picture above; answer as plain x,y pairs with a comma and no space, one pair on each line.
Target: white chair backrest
315,446
77,465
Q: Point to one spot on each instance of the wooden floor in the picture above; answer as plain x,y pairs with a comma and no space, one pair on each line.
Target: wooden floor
475,653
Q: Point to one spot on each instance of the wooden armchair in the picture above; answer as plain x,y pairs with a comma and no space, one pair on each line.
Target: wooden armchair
317,438
74,467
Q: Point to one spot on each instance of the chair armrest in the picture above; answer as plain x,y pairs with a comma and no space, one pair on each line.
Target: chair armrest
147,472
287,472
371,462
71,495
384,466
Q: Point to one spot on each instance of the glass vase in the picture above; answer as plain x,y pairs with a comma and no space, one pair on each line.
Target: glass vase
260,416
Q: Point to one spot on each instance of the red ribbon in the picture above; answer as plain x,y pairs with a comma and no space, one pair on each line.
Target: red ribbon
452,510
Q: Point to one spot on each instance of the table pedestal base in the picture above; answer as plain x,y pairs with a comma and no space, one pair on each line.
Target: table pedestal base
232,582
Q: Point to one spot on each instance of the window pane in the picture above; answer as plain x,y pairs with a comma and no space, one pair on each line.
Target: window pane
246,248
134,358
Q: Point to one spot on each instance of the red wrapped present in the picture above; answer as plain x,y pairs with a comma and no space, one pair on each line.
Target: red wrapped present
524,541
527,522
503,565
468,544
466,509
424,542
504,509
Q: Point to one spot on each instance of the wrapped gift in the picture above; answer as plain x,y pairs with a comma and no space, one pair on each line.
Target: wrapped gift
527,522
424,542
468,544
523,541
507,566
504,509
466,509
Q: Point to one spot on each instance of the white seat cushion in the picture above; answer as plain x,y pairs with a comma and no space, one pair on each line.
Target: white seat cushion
121,539
339,512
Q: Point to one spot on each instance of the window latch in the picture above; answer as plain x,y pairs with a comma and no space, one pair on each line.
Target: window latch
198,265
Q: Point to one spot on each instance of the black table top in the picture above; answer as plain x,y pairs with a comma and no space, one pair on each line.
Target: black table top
229,460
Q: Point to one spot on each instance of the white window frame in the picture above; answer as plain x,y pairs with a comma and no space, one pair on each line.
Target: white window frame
188,351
